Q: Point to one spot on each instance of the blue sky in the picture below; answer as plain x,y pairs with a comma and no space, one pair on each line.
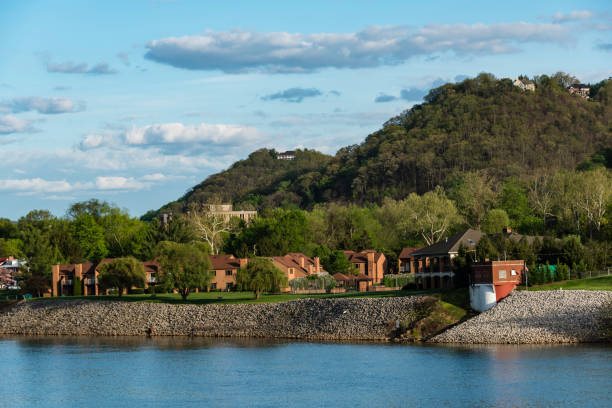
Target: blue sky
135,102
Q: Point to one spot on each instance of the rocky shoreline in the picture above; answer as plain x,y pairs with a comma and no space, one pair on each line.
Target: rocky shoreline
309,319
522,318
543,317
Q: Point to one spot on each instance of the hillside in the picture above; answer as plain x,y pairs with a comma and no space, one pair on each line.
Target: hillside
478,124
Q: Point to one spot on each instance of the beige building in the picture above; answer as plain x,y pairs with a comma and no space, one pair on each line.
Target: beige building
370,263
225,268
524,84
227,212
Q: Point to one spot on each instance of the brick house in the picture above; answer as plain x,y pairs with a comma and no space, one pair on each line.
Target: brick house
405,260
224,268
63,277
370,263
297,265
491,281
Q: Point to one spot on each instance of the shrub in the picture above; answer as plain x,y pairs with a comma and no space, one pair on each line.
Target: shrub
137,291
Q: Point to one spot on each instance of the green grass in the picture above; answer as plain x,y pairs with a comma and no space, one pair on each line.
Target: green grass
237,297
599,283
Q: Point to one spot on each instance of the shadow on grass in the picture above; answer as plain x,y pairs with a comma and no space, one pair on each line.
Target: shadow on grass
204,298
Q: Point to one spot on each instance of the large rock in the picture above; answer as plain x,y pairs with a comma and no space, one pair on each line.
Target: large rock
535,317
321,319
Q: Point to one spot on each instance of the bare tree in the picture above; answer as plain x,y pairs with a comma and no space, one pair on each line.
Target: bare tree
541,194
209,227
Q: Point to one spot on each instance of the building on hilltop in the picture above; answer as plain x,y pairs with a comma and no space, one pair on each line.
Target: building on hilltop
227,212
579,89
288,155
369,263
524,84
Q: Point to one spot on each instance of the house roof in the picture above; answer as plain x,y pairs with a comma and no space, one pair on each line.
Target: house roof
579,86
292,260
361,257
451,244
341,277
406,252
219,262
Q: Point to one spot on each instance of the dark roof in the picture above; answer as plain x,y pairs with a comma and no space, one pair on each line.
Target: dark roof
288,152
451,244
220,262
341,277
361,257
579,86
406,252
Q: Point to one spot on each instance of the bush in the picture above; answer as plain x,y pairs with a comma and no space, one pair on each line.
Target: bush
402,279
137,291
77,287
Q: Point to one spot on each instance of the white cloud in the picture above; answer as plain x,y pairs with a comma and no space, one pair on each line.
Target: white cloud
41,105
120,183
277,52
154,177
12,124
38,185
575,15
169,133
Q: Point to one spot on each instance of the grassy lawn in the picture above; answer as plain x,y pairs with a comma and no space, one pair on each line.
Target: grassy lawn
599,283
238,297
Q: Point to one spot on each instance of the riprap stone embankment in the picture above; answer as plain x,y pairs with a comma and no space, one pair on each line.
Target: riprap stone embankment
535,317
316,319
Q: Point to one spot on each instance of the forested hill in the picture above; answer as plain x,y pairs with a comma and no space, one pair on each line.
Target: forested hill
480,124
261,180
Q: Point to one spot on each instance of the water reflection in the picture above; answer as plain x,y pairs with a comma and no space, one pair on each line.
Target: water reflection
179,371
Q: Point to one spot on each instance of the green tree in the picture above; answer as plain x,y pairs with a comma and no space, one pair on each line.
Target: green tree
260,275
77,286
122,274
185,267
495,221
90,237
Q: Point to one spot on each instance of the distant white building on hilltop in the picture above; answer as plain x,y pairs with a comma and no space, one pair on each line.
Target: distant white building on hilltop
524,84
288,155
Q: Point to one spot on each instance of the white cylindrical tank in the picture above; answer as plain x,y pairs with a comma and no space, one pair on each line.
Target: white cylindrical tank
482,296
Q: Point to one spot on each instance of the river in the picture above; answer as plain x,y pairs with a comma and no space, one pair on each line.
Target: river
184,372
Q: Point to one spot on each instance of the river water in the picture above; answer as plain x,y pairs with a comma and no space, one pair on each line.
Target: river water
179,372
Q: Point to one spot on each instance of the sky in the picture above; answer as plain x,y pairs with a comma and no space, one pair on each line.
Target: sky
134,102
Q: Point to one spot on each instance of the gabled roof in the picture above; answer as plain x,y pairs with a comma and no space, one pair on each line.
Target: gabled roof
451,244
292,260
220,262
406,252
361,257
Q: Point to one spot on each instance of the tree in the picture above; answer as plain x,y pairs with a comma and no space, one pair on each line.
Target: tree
209,227
260,275
431,215
495,221
122,274
37,285
90,237
474,197
184,267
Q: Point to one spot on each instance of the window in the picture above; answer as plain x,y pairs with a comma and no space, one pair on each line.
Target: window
356,265
502,274
513,272
290,271
213,286
229,273
229,286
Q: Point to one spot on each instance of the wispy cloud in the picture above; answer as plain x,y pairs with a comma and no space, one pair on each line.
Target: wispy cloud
124,57
295,95
576,15
39,185
48,106
604,47
241,51
12,124
69,67
383,97
173,136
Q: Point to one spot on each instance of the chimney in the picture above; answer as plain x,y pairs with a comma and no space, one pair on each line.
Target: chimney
302,261
370,269
317,264
243,262
54,279
507,230
310,269
78,271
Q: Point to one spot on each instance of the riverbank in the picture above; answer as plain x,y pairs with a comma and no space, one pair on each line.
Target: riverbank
542,317
311,319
